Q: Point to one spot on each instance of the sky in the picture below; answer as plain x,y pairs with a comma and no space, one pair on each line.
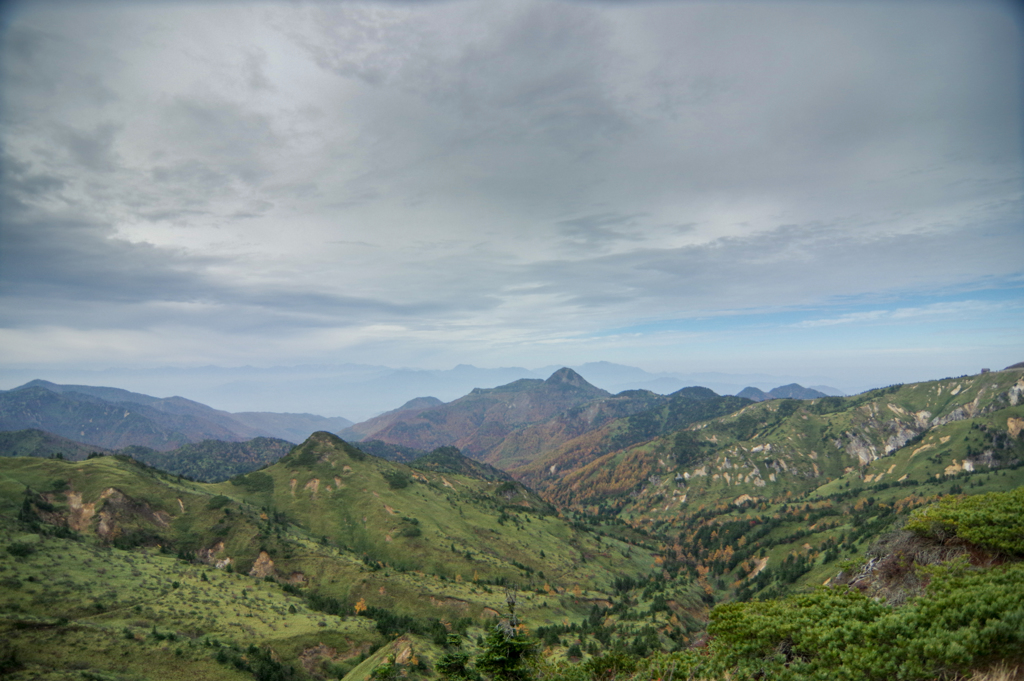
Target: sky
800,188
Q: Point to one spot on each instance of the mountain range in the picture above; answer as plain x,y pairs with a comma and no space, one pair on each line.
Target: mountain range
623,529
792,391
112,418
359,392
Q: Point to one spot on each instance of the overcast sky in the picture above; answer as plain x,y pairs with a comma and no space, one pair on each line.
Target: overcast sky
830,188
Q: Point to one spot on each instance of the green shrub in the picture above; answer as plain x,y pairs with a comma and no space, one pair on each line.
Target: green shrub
397,479
219,501
966,619
20,549
992,521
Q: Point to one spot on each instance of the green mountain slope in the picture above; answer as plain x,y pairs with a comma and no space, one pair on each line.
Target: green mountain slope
328,546
790,445
670,414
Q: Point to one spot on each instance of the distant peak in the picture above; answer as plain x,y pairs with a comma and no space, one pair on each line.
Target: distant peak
567,375
567,378
420,403
37,383
696,392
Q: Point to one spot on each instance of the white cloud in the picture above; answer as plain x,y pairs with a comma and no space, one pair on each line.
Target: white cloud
962,308
459,180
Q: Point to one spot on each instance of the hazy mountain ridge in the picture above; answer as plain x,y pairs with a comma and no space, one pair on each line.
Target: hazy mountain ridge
792,391
112,418
365,430
94,421
361,392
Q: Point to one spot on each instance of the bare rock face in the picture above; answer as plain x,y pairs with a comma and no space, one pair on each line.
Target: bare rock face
119,509
209,556
1016,393
404,651
312,659
79,513
263,567
861,448
903,434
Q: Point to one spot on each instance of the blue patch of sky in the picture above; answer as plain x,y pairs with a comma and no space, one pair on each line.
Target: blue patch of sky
999,306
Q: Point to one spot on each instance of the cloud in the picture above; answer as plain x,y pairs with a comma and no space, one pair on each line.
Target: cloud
945,309
427,179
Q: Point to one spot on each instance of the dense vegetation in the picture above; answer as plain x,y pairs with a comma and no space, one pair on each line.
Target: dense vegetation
214,460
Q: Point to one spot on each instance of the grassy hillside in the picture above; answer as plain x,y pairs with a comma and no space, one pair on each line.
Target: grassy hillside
320,558
778,494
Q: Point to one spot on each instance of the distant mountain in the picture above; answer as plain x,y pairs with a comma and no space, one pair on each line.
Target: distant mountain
362,431
482,419
527,442
112,425
755,394
113,418
792,391
360,391
291,427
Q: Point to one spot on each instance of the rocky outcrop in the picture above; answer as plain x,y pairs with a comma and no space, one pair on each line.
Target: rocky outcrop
263,567
901,437
79,514
1016,393
859,447
119,510
210,556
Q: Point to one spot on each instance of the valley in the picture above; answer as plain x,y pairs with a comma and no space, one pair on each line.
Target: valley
631,536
